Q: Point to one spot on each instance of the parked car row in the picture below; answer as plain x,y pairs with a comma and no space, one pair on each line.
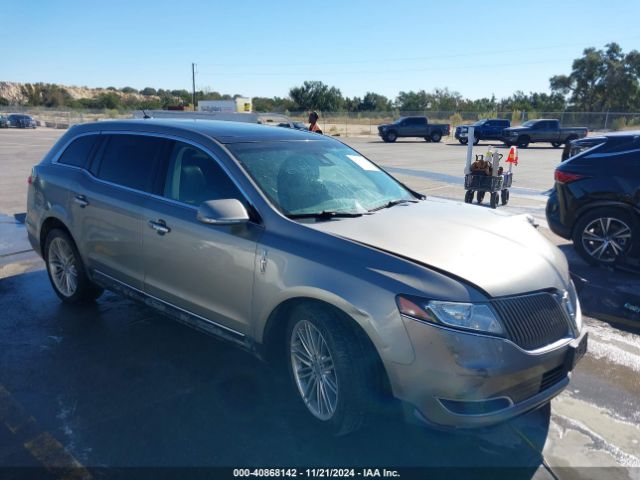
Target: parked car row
533,131
17,120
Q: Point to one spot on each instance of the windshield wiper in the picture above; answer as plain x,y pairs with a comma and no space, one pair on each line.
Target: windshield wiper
392,203
325,215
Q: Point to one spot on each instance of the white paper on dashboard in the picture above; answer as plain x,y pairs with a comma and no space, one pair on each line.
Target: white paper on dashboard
363,163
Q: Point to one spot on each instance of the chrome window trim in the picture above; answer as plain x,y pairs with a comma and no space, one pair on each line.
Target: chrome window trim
126,285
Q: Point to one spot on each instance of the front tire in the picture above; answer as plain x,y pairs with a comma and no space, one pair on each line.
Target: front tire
504,196
603,235
463,141
523,141
66,270
493,200
391,137
556,144
468,196
330,368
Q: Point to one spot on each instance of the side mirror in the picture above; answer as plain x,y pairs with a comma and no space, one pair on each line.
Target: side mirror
228,211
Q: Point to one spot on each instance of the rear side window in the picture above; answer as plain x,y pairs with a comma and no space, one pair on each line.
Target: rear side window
131,160
78,152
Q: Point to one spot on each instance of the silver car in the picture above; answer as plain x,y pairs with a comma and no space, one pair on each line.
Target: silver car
300,250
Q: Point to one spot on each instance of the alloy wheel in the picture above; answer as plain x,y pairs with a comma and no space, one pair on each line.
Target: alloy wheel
314,370
62,265
605,238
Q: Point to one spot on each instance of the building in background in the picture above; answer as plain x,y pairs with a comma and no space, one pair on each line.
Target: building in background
239,105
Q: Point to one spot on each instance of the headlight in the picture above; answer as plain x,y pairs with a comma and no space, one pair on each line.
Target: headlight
478,317
572,307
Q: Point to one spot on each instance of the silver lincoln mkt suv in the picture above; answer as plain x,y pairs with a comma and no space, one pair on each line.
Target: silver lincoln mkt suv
300,250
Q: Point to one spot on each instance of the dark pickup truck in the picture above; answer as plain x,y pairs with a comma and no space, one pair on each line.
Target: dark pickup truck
413,127
543,130
485,129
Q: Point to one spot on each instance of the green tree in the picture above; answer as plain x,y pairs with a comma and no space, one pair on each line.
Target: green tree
412,101
352,104
148,91
315,95
602,80
374,102
129,90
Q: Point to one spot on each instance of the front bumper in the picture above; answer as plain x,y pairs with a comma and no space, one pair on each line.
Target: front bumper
554,216
467,380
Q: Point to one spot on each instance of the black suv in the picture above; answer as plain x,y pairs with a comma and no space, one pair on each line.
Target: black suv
21,121
596,199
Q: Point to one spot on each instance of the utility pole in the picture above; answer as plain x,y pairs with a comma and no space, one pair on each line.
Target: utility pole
193,80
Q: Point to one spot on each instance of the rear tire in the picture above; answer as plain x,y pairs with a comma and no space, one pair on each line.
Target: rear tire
602,235
436,136
331,369
66,271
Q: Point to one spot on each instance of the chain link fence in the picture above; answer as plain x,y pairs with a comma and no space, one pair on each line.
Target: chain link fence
355,124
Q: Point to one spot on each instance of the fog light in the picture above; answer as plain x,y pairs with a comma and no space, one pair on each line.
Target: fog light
476,407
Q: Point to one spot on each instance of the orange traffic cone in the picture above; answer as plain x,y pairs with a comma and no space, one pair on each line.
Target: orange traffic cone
513,155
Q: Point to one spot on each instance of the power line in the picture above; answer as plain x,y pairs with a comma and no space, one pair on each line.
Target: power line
387,71
407,59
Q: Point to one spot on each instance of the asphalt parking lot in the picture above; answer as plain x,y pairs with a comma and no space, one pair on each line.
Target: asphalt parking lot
113,385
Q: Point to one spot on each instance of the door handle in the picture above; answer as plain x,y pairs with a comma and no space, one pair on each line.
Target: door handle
160,226
81,200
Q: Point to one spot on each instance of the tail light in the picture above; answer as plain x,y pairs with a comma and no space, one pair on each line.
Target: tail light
30,179
566,177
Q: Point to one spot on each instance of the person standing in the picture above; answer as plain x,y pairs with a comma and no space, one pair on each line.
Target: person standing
313,123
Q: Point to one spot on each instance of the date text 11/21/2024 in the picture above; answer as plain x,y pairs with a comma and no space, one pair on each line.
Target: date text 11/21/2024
316,472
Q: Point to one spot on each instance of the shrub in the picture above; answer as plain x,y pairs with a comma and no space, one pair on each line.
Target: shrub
455,120
619,124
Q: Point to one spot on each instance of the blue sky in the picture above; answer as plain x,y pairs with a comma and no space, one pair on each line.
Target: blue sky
263,48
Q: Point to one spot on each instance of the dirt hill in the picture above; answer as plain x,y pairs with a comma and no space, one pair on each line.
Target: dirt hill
13,92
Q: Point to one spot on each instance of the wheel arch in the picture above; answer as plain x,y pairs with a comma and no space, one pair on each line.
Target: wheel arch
52,223
276,327
585,209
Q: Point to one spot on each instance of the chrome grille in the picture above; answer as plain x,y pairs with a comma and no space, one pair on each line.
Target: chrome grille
533,321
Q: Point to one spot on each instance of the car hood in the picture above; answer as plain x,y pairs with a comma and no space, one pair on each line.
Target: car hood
515,129
498,253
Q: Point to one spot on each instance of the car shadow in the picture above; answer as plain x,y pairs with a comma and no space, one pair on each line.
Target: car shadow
120,385
608,294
